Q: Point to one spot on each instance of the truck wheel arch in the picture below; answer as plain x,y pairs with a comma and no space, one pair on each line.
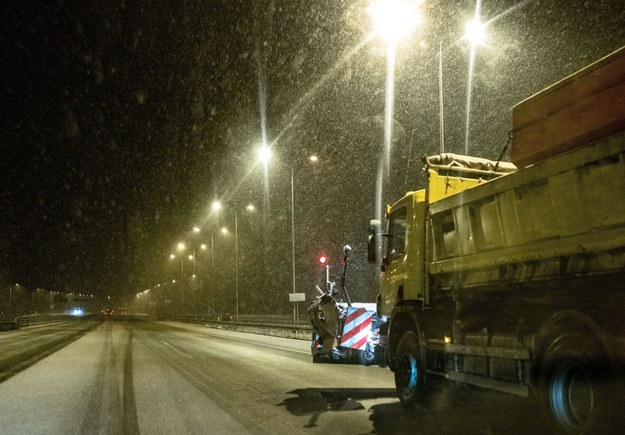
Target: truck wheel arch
404,318
563,323
571,355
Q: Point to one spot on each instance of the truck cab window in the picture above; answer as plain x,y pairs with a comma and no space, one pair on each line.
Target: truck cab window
397,234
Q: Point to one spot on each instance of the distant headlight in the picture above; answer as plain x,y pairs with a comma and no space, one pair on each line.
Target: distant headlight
77,312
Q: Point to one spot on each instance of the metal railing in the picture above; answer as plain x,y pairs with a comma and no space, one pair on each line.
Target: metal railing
17,322
274,325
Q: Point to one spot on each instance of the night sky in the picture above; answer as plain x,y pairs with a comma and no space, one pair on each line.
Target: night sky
122,122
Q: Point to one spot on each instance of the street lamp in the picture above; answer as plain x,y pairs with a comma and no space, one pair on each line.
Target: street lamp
224,230
311,159
216,208
180,248
393,20
475,32
198,282
264,154
440,98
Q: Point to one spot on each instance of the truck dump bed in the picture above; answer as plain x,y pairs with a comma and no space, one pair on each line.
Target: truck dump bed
582,108
560,218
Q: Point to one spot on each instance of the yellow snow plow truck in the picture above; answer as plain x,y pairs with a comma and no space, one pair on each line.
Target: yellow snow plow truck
514,279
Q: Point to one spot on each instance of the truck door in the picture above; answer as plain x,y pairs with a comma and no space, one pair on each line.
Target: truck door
393,279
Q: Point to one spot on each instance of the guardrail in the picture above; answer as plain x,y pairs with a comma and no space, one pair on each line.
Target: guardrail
7,323
277,326
17,322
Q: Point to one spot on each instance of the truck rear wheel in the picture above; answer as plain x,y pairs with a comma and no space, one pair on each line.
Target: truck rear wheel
578,385
408,370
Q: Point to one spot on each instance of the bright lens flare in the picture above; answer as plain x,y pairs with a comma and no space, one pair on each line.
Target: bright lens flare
264,154
395,19
475,32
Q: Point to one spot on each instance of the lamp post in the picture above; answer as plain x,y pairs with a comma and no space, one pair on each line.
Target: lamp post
213,270
249,208
236,262
312,159
202,274
180,248
217,206
475,33
293,230
440,97
393,20
173,257
195,282
11,299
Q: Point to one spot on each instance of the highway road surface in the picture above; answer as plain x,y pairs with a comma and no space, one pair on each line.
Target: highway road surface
173,378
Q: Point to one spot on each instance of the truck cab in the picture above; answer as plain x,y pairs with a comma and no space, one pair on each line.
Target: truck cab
402,246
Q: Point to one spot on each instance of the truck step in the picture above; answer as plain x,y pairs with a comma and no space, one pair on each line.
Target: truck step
488,351
489,383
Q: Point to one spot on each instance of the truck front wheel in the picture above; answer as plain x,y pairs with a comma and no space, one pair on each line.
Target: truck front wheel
408,370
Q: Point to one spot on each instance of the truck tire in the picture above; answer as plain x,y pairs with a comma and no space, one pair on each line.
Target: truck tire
318,358
579,385
408,370
367,357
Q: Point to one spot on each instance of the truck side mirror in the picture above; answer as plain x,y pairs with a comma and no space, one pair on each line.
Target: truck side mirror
375,245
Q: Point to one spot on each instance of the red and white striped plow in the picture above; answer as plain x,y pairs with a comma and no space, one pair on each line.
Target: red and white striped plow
357,328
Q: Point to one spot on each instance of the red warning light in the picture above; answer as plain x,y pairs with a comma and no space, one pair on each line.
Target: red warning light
323,260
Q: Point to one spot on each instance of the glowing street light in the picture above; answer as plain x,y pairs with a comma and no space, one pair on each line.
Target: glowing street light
249,208
216,206
476,33
395,19
193,257
264,154
312,159
180,247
